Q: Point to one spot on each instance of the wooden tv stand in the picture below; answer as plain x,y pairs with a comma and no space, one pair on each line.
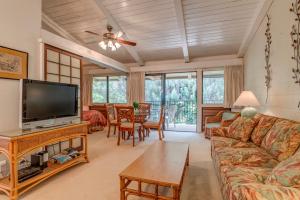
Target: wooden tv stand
16,144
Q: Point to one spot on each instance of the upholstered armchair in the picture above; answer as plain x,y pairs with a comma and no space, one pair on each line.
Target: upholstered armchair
222,119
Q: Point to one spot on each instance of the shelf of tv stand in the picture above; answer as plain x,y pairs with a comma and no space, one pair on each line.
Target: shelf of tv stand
15,145
53,169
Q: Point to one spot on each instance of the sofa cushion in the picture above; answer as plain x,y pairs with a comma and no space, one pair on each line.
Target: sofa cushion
259,191
219,132
232,176
242,128
283,139
221,142
286,173
264,125
249,157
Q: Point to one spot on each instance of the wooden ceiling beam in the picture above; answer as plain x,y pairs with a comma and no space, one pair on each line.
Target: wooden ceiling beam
182,29
261,13
57,28
197,63
110,19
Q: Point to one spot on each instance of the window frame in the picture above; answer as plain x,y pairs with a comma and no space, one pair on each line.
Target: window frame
107,89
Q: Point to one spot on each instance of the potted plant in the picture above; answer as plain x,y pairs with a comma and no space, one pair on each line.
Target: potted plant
135,105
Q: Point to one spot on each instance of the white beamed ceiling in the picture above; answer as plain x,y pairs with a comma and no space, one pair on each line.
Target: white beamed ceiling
213,27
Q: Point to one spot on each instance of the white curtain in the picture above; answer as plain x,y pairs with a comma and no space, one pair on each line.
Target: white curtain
199,97
87,90
234,84
136,87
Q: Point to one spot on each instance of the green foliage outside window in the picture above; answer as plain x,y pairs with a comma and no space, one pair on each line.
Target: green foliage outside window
99,92
116,86
118,89
213,89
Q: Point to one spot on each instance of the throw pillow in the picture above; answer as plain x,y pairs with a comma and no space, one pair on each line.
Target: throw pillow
283,139
242,128
262,128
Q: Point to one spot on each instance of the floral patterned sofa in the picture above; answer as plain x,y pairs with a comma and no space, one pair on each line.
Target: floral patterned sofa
258,158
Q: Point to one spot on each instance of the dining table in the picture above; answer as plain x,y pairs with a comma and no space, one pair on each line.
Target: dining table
140,117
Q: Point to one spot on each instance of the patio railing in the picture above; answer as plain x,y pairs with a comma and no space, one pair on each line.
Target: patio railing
176,112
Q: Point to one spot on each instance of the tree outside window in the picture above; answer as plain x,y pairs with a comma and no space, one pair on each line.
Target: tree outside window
213,87
110,89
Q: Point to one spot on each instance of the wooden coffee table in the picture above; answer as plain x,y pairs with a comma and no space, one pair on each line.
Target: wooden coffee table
163,165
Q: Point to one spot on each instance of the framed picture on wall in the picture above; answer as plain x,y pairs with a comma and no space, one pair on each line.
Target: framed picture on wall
13,63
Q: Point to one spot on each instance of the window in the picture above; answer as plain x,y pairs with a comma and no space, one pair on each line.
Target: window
117,89
110,89
153,88
99,90
213,87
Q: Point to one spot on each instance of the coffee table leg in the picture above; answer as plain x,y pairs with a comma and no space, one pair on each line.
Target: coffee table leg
188,158
176,195
122,191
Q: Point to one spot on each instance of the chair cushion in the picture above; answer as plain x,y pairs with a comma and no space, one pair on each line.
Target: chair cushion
249,157
213,125
264,125
114,121
129,125
150,123
241,128
286,173
228,115
283,139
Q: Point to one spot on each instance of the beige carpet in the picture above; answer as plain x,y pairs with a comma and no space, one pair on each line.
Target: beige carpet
98,180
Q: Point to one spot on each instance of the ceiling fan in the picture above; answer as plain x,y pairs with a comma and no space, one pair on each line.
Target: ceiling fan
112,40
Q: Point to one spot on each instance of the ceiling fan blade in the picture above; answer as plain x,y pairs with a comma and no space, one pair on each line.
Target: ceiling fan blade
93,33
120,40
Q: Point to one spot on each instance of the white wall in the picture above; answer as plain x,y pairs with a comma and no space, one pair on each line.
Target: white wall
284,95
20,22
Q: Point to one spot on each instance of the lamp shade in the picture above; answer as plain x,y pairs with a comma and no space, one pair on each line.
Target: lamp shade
247,99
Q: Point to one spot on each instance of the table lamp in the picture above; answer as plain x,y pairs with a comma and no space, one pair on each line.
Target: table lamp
247,100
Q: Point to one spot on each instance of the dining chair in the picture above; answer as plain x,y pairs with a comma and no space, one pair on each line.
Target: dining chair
126,123
145,108
156,125
111,118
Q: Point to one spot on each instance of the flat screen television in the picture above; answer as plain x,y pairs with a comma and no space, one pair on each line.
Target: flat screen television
42,100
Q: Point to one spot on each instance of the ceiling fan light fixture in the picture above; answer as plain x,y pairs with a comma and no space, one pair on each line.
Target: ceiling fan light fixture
117,45
110,44
119,34
112,41
103,45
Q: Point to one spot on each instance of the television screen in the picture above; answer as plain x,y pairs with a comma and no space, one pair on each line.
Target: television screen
46,100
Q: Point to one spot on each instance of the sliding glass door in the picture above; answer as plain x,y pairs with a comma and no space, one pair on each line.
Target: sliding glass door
154,94
181,101
177,92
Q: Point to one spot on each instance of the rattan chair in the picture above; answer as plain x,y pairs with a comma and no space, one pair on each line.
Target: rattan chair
111,118
126,123
147,126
